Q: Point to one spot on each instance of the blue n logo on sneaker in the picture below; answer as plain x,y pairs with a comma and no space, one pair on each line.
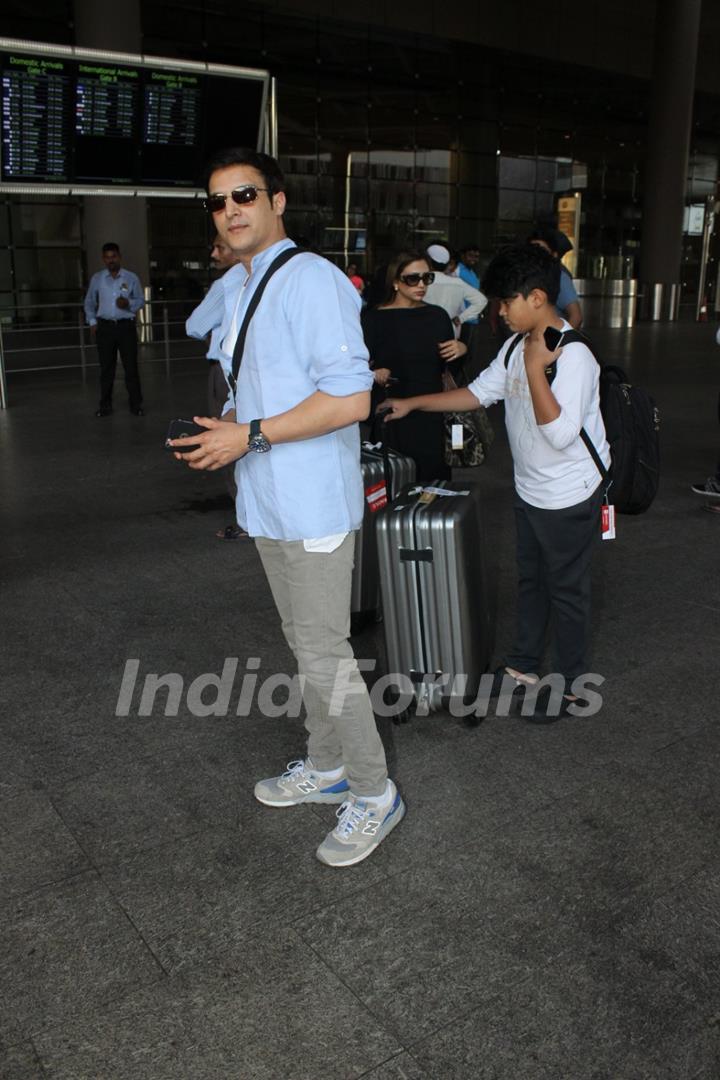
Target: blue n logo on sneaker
341,785
393,808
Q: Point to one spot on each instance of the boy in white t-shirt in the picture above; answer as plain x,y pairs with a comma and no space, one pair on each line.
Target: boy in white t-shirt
558,487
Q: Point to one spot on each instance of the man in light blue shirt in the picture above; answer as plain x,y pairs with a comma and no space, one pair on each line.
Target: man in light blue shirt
292,427
207,319
113,299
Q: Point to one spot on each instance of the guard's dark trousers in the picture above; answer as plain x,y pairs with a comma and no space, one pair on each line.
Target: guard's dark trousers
115,337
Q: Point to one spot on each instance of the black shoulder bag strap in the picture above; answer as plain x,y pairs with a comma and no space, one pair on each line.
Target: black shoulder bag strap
568,338
277,262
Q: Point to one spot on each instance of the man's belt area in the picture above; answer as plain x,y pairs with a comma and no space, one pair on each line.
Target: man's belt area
126,318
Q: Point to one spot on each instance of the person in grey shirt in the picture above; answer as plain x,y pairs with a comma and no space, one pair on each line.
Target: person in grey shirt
113,299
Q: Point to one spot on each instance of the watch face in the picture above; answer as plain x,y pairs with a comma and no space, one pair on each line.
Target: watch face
259,444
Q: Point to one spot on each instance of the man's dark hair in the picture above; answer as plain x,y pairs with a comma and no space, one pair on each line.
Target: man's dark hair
110,247
267,166
519,269
556,240
469,247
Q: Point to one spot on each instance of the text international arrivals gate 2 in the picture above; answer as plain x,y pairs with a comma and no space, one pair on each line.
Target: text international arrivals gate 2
79,121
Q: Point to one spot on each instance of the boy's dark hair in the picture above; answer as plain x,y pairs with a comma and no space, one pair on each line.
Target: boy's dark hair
272,174
520,268
110,246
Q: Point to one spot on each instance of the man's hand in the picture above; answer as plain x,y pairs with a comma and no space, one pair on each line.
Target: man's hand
123,302
382,376
452,350
396,408
93,330
221,444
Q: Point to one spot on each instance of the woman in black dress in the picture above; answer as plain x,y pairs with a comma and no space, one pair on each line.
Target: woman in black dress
410,343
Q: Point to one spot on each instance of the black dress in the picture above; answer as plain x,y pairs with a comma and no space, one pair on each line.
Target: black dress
405,340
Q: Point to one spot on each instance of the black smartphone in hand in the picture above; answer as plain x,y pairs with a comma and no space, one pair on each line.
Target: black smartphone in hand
553,338
182,429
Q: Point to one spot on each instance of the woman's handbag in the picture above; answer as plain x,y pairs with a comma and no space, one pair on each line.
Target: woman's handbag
477,432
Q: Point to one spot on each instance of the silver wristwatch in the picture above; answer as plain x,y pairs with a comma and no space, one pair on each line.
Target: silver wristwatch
256,440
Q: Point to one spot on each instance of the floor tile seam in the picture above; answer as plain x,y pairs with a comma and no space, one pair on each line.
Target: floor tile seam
60,1028
38,1058
661,896
228,831
380,1020
390,877
99,862
93,872
460,1018
142,759
381,1064
137,931
23,894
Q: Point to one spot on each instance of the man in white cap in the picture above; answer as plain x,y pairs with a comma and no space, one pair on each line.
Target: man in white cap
459,299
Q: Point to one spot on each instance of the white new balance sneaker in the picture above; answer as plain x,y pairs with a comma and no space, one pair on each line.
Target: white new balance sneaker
362,825
302,783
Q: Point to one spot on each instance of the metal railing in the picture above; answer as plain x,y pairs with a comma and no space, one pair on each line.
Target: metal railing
55,337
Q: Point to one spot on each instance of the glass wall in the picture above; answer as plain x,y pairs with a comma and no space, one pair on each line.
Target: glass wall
41,260
390,140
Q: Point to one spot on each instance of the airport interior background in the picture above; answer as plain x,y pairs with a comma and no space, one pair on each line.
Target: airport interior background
397,126
548,909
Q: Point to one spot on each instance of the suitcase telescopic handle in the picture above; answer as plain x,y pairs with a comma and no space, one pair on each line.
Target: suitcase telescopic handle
377,436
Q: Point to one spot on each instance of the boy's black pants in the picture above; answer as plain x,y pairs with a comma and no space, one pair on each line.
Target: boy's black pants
115,337
554,550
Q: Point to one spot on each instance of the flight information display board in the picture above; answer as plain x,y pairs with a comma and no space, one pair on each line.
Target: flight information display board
75,120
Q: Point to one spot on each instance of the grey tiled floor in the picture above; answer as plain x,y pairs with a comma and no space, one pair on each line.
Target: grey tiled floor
548,909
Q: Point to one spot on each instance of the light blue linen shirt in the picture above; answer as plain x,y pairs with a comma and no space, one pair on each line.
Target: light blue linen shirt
305,336
207,318
104,290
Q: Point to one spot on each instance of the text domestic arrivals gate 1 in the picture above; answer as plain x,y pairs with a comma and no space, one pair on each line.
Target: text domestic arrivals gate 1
78,118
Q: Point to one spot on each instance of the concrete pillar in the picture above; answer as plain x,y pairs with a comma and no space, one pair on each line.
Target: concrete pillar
101,24
677,24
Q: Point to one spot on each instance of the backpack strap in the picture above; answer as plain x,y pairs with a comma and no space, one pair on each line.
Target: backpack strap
569,337
511,348
278,261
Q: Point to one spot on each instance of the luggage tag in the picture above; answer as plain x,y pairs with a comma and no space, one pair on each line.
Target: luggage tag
376,496
443,492
458,437
607,520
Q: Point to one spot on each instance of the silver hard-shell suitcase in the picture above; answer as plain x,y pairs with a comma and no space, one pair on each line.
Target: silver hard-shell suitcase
437,607
375,462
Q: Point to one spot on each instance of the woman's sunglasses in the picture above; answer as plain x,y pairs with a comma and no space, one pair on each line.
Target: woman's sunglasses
414,279
242,196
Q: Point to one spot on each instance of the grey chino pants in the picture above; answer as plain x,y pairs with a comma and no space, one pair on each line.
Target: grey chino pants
312,595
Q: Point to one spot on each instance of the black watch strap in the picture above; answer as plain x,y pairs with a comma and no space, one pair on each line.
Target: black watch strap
255,428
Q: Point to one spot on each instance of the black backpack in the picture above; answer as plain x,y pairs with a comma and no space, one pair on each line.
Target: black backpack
632,425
